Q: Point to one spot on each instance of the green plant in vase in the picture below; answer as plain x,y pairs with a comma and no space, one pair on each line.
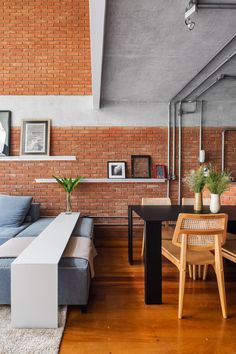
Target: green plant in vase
217,183
196,181
69,185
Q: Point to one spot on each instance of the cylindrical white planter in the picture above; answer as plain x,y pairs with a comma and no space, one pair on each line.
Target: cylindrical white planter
215,203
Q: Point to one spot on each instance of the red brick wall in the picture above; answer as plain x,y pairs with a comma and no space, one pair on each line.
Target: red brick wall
45,47
94,147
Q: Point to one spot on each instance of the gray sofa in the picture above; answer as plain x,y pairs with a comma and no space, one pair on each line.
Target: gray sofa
74,274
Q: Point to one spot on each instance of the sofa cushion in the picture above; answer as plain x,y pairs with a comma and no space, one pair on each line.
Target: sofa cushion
33,213
13,210
36,228
84,227
9,232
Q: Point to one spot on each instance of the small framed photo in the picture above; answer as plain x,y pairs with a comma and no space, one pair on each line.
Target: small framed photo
5,130
35,137
141,166
161,172
116,169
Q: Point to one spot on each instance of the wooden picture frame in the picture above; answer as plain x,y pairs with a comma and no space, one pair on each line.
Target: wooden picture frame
35,137
116,169
5,133
160,172
141,166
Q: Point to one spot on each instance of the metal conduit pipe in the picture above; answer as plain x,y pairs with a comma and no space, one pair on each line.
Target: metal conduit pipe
180,153
229,77
168,152
219,78
204,68
223,146
208,76
185,86
200,126
216,6
173,177
180,114
213,72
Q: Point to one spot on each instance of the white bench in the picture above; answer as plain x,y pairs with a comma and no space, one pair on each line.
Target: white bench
34,276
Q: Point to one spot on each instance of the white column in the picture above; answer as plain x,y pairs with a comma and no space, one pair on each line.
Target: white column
97,27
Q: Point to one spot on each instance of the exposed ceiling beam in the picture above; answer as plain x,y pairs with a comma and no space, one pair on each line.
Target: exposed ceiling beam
97,27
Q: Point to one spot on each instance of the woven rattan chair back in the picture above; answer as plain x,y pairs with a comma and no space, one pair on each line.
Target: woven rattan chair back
201,230
156,201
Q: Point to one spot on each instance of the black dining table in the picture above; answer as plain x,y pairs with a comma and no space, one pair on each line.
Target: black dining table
154,216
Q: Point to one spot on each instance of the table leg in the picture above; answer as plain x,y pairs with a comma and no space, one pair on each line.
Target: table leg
153,264
130,235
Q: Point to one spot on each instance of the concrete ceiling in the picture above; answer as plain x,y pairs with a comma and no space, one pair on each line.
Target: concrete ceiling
149,53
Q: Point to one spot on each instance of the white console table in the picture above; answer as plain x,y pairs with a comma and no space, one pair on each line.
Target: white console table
34,276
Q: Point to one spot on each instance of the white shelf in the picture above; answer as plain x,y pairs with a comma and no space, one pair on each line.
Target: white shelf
37,158
107,180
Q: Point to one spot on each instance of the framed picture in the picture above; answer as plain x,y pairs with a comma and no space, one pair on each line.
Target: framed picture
35,137
161,172
5,129
141,166
116,169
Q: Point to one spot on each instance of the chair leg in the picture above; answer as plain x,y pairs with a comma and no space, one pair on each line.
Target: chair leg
205,269
190,270
194,272
182,275
220,277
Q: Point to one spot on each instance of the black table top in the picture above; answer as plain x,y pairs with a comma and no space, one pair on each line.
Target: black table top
171,212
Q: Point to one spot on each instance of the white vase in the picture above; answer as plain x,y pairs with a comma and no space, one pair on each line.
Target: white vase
215,203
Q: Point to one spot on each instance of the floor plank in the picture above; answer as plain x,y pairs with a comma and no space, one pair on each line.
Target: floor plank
118,321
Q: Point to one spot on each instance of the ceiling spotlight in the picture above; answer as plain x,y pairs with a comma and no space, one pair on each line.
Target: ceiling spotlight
190,24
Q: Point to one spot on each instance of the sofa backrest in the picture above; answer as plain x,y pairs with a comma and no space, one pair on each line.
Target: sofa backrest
34,213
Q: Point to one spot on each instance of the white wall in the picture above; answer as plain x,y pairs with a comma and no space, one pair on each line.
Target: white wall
78,111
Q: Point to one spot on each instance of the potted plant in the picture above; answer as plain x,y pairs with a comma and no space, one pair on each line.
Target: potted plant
217,183
196,181
69,185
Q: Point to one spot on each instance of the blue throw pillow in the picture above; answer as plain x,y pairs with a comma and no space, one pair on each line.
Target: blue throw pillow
13,210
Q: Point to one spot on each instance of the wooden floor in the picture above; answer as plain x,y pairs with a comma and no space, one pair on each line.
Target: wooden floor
118,321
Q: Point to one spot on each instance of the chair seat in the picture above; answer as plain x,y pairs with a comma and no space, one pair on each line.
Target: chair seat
172,252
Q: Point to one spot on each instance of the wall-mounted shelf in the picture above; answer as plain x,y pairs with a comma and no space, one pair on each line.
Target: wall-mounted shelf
107,180
37,158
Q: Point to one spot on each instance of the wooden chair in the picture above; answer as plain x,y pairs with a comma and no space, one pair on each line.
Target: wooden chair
194,238
195,271
166,232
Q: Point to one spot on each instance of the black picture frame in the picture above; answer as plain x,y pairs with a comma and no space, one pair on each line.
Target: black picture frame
5,133
116,169
35,137
141,166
